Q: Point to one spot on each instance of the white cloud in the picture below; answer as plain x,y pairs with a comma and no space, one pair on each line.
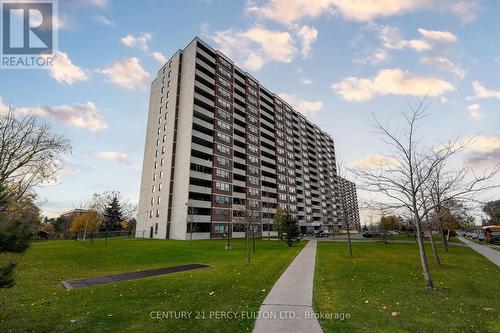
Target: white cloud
307,36
291,11
444,37
256,46
3,107
307,108
159,57
139,41
481,92
444,64
81,115
105,21
306,82
391,39
390,82
118,157
64,71
374,58
126,73
484,151
375,161
474,112
65,170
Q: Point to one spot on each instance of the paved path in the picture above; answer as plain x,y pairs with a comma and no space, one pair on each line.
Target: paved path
290,297
82,283
487,252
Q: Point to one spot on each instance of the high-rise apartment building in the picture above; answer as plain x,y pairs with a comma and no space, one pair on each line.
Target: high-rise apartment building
219,145
348,205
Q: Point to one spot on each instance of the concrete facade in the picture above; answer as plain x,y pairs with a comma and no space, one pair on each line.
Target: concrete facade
220,146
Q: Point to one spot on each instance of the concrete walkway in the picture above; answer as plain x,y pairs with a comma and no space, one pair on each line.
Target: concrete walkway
487,252
288,306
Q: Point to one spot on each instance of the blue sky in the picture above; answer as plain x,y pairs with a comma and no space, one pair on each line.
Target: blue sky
337,62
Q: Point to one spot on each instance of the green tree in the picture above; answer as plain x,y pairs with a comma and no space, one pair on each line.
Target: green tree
279,217
492,209
113,216
290,229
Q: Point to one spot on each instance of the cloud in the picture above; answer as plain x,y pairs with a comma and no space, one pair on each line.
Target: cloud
444,64
159,57
474,112
374,58
3,107
81,115
139,41
306,82
291,11
375,161
484,151
390,82
118,157
256,46
444,37
481,92
127,74
105,21
65,170
307,36
64,71
307,108
391,39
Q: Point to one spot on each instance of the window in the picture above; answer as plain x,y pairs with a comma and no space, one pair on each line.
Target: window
160,186
253,170
253,191
223,125
253,180
153,189
252,83
224,83
221,186
227,74
282,187
220,228
157,213
223,149
252,109
223,103
252,119
161,162
164,138
152,201
253,159
222,173
253,129
224,62
252,100
156,153
223,114
220,212
253,139
150,214
223,137
156,165
154,177
253,149
282,178
224,93
221,199
163,150
223,161
158,200
161,174
252,92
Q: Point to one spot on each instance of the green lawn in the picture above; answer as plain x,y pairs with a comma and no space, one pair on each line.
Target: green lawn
384,278
37,303
437,238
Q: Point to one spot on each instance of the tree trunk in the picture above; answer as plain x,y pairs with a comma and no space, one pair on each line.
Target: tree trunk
445,241
423,256
434,249
349,241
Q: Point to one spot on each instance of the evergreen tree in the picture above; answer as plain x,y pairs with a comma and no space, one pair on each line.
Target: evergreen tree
290,229
113,216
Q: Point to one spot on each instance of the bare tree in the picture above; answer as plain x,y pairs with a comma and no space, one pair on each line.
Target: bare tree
29,154
406,183
191,213
247,218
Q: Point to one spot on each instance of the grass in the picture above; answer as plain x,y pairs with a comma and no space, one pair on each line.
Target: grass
384,278
437,238
37,303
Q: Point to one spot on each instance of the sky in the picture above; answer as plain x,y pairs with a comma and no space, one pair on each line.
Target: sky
340,62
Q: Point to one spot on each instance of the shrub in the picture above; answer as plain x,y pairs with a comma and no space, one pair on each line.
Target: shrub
7,275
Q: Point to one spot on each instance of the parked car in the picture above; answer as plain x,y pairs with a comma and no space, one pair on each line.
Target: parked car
322,233
371,234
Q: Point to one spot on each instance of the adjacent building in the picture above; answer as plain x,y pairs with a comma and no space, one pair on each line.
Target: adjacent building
220,146
348,205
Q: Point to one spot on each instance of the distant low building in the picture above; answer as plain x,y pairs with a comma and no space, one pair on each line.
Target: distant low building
70,215
349,211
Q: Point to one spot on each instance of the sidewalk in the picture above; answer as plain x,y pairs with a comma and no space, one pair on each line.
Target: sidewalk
488,253
288,306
